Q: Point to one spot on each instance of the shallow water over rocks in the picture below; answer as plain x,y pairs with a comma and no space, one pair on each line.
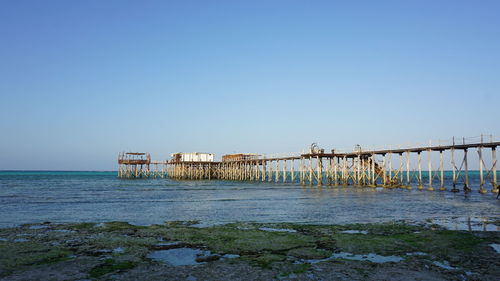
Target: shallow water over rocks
445,265
179,256
355,232
495,247
466,223
270,229
371,257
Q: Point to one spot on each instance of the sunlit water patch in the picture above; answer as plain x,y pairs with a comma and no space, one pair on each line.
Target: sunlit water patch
179,256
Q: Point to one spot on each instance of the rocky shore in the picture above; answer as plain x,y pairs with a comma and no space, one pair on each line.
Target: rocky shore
247,251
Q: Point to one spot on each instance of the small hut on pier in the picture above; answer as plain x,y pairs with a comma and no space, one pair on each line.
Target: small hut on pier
240,157
192,157
133,164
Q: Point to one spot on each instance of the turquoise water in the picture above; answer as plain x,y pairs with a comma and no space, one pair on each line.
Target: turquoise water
28,197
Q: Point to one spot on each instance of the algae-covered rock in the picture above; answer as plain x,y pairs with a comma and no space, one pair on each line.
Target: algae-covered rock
121,226
17,255
309,253
49,247
111,266
223,239
266,260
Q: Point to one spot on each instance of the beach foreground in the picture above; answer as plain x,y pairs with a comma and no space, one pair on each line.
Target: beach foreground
247,251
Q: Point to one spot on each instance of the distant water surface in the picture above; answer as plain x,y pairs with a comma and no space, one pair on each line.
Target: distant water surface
28,197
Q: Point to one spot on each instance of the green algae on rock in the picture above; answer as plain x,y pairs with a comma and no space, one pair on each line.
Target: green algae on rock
90,249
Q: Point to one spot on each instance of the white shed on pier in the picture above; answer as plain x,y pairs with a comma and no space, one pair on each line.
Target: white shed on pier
192,157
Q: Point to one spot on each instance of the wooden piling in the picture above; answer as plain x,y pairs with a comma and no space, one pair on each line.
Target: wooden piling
495,187
408,183
310,171
481,168
466,184
276,172
264,170
384,171
373,179
441,169
454,171
420,182
358,170
390,169
344,171
336,171
302,168
284,171
400,170
430,170
319,164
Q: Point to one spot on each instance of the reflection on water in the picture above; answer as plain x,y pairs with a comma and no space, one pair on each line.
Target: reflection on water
93,196
470,224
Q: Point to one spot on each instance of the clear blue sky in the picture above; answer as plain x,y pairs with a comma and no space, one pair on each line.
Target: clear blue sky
82,80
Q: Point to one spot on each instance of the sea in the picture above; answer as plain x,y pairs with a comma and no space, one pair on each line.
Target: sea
59,197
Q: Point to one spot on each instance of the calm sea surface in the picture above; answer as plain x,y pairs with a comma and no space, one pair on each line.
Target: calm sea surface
28,197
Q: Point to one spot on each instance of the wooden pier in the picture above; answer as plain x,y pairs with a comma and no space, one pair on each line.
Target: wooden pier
359,168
